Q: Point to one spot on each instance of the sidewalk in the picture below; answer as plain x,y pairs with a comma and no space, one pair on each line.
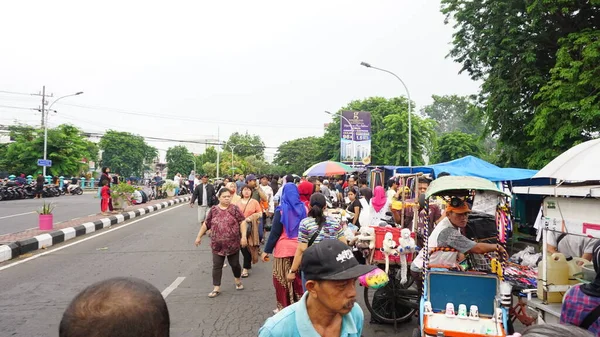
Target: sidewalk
16,244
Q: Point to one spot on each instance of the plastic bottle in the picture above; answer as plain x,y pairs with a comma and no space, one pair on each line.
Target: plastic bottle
557,273
575,268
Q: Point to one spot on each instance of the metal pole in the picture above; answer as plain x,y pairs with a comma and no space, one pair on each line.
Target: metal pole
353,142
409,109
46,123
231,159
353,134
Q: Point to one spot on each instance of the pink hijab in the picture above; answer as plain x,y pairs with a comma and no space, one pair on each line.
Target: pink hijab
379,199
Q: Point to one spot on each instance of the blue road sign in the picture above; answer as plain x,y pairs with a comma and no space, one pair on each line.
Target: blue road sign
44,162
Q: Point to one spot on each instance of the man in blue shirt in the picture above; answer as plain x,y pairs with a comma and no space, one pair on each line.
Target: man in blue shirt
328,307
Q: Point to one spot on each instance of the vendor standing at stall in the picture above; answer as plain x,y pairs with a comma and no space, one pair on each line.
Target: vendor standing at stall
448,234
571,245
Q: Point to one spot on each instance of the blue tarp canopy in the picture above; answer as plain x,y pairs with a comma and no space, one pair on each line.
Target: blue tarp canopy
472,167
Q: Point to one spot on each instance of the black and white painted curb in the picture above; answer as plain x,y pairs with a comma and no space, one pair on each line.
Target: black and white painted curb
15,249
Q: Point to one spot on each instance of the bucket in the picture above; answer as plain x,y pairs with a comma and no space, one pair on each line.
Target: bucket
46,222
557,273
575,268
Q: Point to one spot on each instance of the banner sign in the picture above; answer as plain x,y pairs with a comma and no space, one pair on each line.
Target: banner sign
355,139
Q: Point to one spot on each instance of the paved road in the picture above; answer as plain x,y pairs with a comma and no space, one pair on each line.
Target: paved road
20,215
158,248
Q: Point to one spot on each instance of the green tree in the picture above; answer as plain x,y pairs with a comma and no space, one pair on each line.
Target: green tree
454,145
385,132
570,101
210,169
125,153
68,149
462,114
209,156
179,160
513,48
456,113
245,145
297,155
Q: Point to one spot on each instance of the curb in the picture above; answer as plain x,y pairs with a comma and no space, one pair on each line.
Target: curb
18,248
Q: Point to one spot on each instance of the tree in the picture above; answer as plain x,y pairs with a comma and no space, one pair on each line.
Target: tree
569,108
456,113
385,133
454,145
245,145
125,153
67,147
299,154
514,47
179,160
461,114
209,156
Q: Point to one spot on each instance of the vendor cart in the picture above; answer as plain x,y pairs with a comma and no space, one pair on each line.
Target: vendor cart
473,289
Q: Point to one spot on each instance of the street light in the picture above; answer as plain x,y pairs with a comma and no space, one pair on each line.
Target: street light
352,130
365,64
232,168
46,126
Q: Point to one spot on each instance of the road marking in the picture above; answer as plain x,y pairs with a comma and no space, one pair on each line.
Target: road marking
86,239
172,287
11,216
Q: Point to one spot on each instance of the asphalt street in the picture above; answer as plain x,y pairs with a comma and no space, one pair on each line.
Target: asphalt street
159,248
20,215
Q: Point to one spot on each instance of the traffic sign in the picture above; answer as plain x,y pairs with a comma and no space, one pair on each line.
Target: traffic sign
44,162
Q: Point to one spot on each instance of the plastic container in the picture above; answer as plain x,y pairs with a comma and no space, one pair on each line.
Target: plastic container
557,273
589,273
575,268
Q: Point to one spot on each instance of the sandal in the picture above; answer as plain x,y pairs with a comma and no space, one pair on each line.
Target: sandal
214,294
239,286
245,274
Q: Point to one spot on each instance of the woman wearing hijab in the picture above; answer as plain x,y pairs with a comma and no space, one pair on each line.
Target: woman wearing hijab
378,207
282,243
306,189
581,305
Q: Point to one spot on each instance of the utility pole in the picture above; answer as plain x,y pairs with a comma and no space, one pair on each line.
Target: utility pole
43,107
43,103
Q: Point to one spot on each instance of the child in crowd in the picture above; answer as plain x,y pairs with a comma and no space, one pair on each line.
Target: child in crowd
105,195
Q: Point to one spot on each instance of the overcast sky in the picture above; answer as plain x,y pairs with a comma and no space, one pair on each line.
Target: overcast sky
183,69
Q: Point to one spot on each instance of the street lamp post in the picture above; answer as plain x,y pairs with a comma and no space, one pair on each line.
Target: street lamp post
365,64
353,135
232,147
46,126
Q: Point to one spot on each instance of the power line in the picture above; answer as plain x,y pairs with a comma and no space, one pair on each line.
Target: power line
16,107
184,118
14,93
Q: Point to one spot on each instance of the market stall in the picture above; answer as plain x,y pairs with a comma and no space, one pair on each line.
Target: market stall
570,209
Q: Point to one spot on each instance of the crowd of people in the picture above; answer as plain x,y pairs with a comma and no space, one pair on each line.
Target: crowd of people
314,268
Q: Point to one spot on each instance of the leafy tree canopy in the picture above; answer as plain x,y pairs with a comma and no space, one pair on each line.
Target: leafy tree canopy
245,144
125,153
68,149
179,160
454,145
535,59
297,155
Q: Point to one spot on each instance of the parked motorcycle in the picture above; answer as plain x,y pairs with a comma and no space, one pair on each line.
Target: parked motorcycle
71,189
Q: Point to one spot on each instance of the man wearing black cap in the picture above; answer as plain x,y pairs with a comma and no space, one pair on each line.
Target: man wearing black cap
328,307
205,193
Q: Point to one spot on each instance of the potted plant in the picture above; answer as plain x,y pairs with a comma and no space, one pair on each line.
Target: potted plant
46,219
121,195
169,186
